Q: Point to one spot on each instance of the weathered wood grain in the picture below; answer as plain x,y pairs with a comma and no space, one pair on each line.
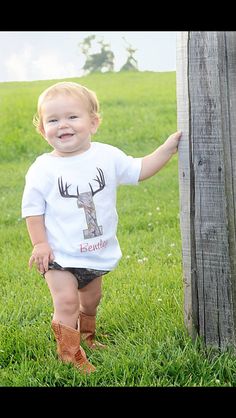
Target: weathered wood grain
206,102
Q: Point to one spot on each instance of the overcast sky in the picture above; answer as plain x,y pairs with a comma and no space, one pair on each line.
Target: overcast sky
26,56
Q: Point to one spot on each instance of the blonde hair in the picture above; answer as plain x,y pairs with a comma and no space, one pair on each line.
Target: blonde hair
68,88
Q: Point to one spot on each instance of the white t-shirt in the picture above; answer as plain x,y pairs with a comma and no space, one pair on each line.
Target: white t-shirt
77,196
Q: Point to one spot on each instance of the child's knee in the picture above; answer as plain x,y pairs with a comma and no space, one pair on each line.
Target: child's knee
90,302
67,304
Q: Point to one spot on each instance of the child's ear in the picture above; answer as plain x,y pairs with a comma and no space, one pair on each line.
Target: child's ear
94,124
40,129
42,132
43,135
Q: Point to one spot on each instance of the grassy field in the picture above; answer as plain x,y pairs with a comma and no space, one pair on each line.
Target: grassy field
142,305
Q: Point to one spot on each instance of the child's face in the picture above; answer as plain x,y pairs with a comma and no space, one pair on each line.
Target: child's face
67,125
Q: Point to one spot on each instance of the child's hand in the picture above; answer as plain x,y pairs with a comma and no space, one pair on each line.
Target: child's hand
171,144
41,255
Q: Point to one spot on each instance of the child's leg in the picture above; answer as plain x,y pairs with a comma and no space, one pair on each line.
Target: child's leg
90,296
64,290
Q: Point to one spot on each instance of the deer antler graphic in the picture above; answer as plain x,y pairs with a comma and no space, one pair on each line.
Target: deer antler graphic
85,201
64,190
99,179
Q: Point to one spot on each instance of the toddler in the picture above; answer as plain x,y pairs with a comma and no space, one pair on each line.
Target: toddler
69,203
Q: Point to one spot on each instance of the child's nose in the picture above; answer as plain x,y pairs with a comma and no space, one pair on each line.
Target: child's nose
63,123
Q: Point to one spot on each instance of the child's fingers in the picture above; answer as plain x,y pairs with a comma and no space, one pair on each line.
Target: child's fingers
31,261
40,262
51,256
44,265
177,135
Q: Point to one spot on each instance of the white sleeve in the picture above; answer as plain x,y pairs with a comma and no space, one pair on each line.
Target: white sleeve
33,202
127,168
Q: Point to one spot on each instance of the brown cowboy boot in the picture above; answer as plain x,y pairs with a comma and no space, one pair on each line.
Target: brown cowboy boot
69,349
87,326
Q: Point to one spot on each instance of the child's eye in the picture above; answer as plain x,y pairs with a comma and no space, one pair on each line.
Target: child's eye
52,120
73,117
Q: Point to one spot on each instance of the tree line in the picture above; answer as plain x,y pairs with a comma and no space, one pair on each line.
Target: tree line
103,60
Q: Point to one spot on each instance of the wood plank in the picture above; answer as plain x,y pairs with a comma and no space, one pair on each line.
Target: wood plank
206,102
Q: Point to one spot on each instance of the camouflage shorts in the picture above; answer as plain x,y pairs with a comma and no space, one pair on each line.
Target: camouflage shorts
83,275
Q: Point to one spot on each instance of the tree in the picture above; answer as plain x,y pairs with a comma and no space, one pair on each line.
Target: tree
206,101
131,63
98,62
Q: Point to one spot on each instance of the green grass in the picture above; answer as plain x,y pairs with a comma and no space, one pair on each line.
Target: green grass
142,305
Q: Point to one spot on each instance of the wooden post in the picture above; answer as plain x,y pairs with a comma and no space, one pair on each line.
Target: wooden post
206,102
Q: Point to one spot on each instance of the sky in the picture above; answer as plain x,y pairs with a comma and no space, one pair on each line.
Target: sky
44,55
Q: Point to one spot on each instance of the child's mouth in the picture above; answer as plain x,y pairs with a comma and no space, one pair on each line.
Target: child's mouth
64,137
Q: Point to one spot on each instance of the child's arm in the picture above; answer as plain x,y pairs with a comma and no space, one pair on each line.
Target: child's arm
42,252
152,163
